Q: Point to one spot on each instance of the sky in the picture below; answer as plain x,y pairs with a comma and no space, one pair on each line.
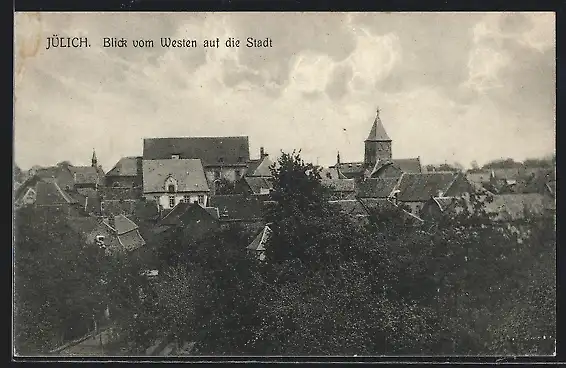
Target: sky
451,87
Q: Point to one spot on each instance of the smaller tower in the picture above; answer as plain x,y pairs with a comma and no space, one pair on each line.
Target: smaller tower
94,161
377,144
338,159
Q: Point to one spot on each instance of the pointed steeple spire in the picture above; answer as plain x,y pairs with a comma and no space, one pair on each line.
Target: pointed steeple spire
94,161
378,132
338,158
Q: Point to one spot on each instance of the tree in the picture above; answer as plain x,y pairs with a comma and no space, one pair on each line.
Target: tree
57,282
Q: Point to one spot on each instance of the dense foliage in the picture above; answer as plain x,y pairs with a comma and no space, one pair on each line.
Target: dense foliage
332,286
57,282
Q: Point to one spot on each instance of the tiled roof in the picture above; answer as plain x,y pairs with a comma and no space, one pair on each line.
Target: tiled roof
62,174
237,207
260,167
172,217
215,151
256,184
340,185
376,188
48,192
189,175
213,211
127,166
408,165
123,225
131,240
422,187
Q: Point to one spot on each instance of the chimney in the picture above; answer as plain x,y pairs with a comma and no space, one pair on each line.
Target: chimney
261,153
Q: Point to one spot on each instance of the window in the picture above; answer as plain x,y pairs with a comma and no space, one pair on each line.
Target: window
217,174
171,188
171,201
201,199
221,159
187,199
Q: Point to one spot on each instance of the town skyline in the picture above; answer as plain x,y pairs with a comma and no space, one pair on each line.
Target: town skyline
316,90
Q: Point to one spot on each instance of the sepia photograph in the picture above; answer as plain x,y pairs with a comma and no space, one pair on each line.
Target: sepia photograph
285,184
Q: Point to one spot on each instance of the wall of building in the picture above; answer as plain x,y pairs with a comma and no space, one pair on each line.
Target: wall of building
163,199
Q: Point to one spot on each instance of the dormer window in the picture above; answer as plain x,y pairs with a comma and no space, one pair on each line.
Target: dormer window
240,159
171,188
171,185
221,159
175,156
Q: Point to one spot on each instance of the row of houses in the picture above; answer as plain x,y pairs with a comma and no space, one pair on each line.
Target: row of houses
157,189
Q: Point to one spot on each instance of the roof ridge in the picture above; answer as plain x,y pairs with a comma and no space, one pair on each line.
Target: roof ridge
200,137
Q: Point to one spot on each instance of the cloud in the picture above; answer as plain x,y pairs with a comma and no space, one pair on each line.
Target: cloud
450,86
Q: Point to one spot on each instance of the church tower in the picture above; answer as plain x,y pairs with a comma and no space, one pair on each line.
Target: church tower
377,144
94,161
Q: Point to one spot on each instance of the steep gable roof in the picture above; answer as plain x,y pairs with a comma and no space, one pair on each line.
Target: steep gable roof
188,173
350,207
422,187
123,225
212,151
376,188
127,166
260,167
256,184
48,192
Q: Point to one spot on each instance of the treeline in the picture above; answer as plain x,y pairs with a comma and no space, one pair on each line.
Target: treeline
507,163
330,285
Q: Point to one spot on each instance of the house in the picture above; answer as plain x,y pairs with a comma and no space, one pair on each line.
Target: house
340,188
127,173
258,246
115,234
414,190
195,220
378,161
240,209
254,185
261,166
170,182
221,157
